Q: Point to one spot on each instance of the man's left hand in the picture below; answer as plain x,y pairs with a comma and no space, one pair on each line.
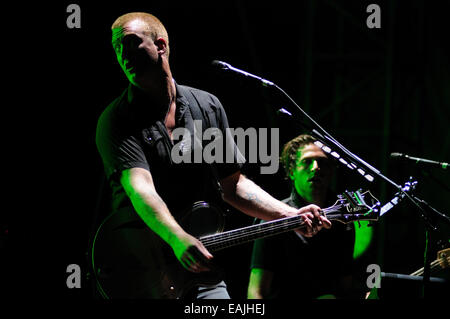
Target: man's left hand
314,221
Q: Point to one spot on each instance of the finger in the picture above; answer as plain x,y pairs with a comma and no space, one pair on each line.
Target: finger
310,208
317,225
198,265
202,267
196,260
308,230
200,259
320,218
326,223
186,265
307,225
307,234
307,221
196,268
314,229
191,263
205,252
308,215
316,211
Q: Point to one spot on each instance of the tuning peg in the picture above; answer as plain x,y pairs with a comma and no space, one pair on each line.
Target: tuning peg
360,197
350,198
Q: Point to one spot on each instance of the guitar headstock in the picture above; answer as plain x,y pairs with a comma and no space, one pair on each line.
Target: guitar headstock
443,256
354,206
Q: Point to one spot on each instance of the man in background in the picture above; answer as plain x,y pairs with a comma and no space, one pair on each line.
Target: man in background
291,265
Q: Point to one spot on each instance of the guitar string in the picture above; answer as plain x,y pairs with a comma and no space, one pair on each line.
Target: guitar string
274,225
230,238
233,240
421,270
223,241
237,234
234,235
433,265
436,263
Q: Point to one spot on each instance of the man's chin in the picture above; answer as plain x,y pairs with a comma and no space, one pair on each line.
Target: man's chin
136,80
316,184
318,189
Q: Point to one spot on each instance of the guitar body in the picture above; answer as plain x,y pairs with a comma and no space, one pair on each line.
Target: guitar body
131,261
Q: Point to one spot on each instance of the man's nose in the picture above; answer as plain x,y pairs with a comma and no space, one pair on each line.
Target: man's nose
315,165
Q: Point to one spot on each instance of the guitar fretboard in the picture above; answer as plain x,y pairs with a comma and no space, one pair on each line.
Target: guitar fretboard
247,234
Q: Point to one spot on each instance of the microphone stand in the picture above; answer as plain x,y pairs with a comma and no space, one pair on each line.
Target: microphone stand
431,213
360,165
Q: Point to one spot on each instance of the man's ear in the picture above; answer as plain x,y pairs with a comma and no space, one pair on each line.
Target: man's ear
291,174
162,46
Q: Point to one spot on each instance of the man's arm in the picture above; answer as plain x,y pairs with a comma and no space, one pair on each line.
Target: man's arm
259,283
245,195
138,185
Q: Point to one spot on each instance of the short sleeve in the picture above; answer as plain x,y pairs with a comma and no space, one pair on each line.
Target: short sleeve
118,148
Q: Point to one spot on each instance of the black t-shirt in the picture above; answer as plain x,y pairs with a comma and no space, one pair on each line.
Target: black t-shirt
305,267
129,135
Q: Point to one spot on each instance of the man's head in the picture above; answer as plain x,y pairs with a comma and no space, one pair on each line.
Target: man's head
141,44
308,167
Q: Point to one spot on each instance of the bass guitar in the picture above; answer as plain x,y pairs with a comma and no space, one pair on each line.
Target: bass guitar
130,261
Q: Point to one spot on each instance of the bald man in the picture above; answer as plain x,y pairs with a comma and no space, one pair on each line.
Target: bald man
134,139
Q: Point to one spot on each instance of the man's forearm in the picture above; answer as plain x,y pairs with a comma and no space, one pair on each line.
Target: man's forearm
155,214
254,201
138,185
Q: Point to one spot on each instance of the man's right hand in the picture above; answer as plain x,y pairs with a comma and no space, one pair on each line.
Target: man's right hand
191,253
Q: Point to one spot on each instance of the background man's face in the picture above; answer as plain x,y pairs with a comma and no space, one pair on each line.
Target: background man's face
312,173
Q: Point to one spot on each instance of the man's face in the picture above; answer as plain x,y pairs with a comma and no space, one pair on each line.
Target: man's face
312,173
136,52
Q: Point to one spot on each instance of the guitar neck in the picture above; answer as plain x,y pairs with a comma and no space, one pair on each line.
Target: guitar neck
250,233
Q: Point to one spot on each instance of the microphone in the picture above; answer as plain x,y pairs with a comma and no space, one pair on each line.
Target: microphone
227,67
419,160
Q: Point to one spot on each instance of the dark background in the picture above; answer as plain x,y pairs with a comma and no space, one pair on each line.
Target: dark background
376,91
